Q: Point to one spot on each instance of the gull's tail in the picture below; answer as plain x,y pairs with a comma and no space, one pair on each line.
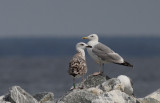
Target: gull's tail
125,64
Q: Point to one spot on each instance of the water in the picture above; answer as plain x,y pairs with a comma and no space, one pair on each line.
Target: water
40,64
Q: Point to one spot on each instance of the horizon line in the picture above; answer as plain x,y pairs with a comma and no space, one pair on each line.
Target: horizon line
59,35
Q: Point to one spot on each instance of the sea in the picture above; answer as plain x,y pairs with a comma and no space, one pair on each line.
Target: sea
41,64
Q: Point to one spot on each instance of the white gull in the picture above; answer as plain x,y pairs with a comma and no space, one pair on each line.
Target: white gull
103,54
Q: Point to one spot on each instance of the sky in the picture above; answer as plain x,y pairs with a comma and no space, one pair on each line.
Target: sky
79,17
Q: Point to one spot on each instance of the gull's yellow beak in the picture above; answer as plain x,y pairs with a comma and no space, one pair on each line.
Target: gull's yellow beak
84,37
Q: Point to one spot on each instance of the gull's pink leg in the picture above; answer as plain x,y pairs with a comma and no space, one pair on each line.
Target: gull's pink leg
98,73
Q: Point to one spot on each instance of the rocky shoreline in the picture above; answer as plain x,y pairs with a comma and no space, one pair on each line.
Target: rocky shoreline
97,89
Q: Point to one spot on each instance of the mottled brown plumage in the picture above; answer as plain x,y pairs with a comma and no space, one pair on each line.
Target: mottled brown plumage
77,66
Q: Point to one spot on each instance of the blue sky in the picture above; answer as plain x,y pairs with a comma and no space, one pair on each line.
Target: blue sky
79,17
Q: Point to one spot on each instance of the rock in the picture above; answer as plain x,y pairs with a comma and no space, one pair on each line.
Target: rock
115,96
126,83
151,98
18,95
44,97
93,81
8,98
2,100
95,91
78,96
111,84
98,90
88,96
155,95
147,100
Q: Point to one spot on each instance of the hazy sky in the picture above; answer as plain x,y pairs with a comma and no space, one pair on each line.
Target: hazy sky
76,17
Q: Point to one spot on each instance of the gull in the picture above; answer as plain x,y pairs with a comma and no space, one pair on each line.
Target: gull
77,65
103,54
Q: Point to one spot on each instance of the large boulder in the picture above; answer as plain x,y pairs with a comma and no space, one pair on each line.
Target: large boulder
2,99
19,95
114,96
98,89
147,100
151,98
155,95
45,97
92,81
78,96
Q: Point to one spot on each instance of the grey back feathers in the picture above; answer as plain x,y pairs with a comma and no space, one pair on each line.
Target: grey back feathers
102,48
102,53
106,54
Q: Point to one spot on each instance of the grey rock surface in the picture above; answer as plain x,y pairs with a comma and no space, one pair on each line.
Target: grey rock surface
2,99
115,96
93,81
78,96
45,97
18,95
97,89
151,98
147,100
111,84
155,95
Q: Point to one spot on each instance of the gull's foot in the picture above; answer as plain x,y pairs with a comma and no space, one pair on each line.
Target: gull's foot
102,73
82,87
96,73
73,88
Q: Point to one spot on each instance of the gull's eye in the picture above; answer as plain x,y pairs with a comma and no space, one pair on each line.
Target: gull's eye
82,44
92,36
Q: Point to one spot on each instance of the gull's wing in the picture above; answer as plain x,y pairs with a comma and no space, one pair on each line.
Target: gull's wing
103,48
106,54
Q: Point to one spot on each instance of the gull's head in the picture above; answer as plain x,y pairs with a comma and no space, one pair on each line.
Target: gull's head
82,45
92,37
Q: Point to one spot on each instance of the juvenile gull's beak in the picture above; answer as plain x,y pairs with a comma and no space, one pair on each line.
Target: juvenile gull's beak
84,37
89,46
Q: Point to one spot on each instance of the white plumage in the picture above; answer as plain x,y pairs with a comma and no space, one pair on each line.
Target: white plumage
126,83
103,54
